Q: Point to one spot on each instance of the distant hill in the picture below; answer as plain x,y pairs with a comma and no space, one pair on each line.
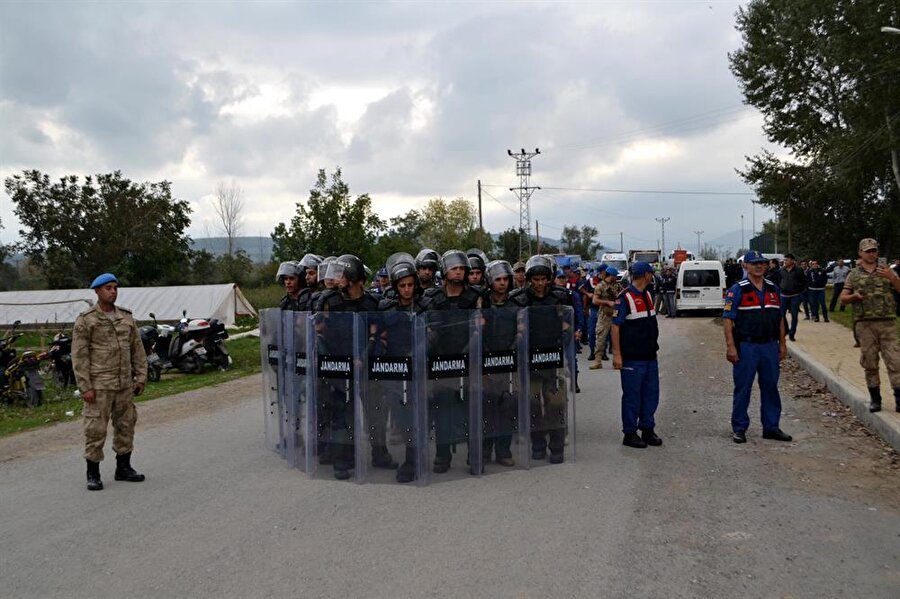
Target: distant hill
259,249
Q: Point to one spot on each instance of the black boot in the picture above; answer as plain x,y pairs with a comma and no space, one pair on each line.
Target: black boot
897,398
93,476
406,473
124,471
381,458
874,399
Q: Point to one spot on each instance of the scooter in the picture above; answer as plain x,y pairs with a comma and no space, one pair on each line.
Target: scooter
169,347
214,342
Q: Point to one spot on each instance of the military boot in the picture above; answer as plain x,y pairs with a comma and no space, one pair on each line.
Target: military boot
897,398
93,476
124,471
874,399
406,473
381,458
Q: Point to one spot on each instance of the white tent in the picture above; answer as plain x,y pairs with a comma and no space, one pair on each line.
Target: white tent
62,305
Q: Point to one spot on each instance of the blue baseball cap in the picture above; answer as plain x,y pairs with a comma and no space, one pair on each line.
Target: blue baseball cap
382,272
103,280
640,268
560,273
754,257
612,270
602,267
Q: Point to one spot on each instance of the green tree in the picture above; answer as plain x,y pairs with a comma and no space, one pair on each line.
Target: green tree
827,80
508,246
203,268
448,225
580,241
329,223
235,268
72,231
403,235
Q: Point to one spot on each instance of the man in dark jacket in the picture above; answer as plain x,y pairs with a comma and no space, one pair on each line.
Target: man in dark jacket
816,279
793,284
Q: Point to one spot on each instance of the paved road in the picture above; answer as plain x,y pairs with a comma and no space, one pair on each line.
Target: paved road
701,516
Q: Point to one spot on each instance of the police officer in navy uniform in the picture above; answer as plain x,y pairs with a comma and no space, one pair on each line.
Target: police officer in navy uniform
450,333
545,329
500,332
635,335
755,343
477,263
394,338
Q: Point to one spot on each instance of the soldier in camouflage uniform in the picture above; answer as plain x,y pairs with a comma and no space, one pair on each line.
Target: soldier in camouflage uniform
605,295
869,288
110,369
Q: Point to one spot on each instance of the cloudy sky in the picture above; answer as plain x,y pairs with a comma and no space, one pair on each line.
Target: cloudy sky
413,100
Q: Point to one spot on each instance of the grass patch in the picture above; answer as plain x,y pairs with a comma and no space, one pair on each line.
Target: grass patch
57,402
264,297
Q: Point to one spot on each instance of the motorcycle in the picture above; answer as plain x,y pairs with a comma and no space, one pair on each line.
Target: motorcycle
173,347
214,342
20,376
61,372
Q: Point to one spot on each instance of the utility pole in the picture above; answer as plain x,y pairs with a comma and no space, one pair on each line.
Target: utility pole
621,242
699,249
662,221
742,232
480,221
537,233
523,192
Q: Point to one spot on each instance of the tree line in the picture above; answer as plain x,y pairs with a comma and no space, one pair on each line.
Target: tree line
74,228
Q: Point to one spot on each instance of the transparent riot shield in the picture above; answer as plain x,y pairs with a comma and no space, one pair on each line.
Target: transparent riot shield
452,381
503,370
271,353
550,410
388,450
335,388
299,442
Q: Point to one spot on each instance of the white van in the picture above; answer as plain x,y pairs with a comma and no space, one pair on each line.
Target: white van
700,286
618,261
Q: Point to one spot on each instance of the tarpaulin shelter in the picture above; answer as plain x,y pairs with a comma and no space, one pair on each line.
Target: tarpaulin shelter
224,302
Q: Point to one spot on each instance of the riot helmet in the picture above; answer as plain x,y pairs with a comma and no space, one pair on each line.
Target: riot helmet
401,270
473,252
287,269
539,265
427,258
323,267
398,257
497,268
346,265
452,259
310,261
476,262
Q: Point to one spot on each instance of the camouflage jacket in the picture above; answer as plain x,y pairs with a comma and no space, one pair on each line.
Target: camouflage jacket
607,291
107,353
879,302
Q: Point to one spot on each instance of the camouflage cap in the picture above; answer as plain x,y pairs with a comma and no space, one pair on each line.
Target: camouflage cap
518,266
868,244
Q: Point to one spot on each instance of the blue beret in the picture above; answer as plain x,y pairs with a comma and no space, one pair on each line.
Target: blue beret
640,268
612,270
754,257
104,279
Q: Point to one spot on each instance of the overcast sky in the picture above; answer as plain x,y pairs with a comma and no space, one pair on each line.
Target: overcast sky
412,100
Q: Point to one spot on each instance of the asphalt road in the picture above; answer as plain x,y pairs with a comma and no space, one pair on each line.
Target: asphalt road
221,516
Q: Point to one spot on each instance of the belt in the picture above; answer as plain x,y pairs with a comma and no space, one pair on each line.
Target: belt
757,340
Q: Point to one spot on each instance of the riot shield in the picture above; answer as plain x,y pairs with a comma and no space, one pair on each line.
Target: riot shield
388,451
452,380
335,389
272,354
551,384
503,370
298,441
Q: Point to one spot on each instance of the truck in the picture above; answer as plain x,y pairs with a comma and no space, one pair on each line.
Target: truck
654,257
619,261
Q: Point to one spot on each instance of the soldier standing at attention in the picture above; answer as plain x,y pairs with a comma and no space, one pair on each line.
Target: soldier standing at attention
868,288
110,369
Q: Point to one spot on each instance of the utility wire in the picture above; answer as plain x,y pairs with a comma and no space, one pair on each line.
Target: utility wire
649,191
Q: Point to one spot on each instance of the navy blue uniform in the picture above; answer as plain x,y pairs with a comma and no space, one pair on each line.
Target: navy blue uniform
635,316
757,331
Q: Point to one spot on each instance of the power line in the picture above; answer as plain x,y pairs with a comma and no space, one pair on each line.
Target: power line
648,191
484,191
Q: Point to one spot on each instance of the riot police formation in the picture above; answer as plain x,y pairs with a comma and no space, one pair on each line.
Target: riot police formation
467,364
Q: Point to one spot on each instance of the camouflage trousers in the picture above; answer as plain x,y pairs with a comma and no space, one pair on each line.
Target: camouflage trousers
117,405
879,337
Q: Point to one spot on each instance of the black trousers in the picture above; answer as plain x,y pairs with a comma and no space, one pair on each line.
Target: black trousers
838,287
